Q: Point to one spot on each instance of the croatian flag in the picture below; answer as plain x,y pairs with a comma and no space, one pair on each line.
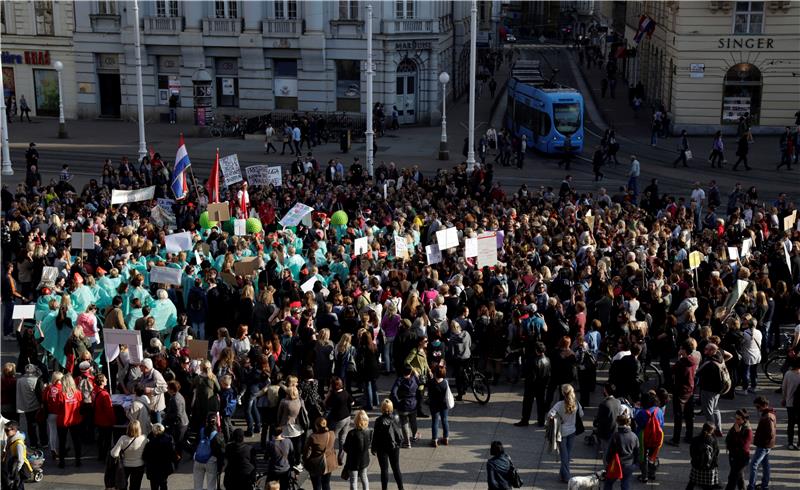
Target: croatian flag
646,26
180,187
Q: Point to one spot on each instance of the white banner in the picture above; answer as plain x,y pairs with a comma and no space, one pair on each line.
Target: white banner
230,168
178,242
264,175
487,249
165,275
49,275
447,238
308,285
121,197
83,241
114,337
240,227
747,245
433,254
295,215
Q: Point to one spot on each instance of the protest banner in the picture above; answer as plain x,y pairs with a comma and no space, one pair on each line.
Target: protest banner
789,221
83,241
733,254
264,175
470,247
231,170
23,312
447,238
361,246
433,254
246,266
165,275
198,349
219,211
166,203
733,297
487,249
694,259
178,242
228,278
240,227
295,215
114,337
308,285
136,195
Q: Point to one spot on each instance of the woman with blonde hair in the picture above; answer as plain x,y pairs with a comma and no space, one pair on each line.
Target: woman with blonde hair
288,413
357,446
344,361
570,414
69,419
130,448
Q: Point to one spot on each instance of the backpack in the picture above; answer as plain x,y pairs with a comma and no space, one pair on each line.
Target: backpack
653,435
229,402
203,452
725,378
86,388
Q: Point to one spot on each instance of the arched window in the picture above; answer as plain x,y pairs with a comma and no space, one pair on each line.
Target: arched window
742,93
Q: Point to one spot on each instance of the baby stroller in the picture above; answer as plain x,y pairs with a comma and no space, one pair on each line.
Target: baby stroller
36,459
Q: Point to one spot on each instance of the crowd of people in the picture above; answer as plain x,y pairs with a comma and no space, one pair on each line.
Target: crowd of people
294,347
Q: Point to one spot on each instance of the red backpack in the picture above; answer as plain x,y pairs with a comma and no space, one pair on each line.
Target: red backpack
653,434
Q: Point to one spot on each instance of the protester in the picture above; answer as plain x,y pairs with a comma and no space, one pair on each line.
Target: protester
738,441
319,456
159,456
764,440
704,452
386,441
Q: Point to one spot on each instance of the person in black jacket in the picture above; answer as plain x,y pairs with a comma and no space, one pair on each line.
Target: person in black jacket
386,441
537,369
498,468
404,396
240,469
704,452
159,457
625,444
357,447
605,422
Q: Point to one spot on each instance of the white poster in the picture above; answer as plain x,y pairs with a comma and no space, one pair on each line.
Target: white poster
49,275
83,241
361,246
470,247
23,312
165,275
308,285
487,249
295,215
178,242
447,238
787,253
228,87
240,227
400,247
230,168
121,197
433,254
198,257
733,297
747,245
264,175
733,254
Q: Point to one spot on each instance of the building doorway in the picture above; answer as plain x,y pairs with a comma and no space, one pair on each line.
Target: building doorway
406,92
110,96
742,94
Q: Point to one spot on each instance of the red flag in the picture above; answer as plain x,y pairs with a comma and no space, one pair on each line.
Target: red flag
213,181
244,201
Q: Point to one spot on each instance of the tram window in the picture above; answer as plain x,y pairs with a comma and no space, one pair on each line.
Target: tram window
567,118
544,124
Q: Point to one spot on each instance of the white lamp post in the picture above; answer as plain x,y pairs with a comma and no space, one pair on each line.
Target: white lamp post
473,24
370,73
62,129
139,90
7,170
444,77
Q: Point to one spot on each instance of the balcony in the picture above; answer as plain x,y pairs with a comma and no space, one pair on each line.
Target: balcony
347,28
281,28
163,25
105,23
222,27
410,26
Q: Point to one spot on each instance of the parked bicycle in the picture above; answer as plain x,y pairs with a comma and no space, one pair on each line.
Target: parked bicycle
777,360
229,127
477,382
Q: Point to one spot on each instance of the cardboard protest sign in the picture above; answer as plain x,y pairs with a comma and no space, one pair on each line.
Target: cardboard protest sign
361,245
433,254
198,349
309,285
49,275
246,266
178,242
400,247
240,227
228,278
264,175
83,241
219,211
789,221
447,238
230,168
747,245
122,197
487,249
295,215
589,219
694,259
470,247
165,275
23,312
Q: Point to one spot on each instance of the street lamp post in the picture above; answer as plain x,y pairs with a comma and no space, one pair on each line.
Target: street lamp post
139,90
370,134
444,154
62,128
473,24
7,170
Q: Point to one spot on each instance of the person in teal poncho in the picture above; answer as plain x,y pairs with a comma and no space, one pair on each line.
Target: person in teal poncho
80,295
109,283
164,311
294,262
46,304
57,327
101,298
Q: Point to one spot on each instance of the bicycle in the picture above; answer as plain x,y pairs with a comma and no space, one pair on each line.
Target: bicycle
776,362
477,382
262,480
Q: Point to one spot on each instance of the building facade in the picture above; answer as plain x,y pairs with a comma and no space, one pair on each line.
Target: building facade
251,58
712,62
36,34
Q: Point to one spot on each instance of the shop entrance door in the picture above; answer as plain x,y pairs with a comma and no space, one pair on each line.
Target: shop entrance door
110,96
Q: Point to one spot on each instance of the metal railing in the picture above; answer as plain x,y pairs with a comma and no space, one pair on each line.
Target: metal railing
163,25
222,27
281,27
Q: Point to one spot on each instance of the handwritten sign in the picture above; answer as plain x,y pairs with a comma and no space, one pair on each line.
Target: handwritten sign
447,238
49,275
789,221
433,254
295,215
121,197
264,175
487,249
219,211
178,242
733,254
240,227
400,247
198,349
246,266
165,275
230,168
308,285
83,241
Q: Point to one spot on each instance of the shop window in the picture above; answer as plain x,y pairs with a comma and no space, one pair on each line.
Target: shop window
404,9
166,8
43,11
226,9
284,84
748,18
227,75
169,80
742,94
45,88
285,9
348,9
348,86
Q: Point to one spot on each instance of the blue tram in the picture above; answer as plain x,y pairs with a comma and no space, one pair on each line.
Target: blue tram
547,113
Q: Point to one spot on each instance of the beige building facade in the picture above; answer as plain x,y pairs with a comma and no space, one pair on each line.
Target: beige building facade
711,62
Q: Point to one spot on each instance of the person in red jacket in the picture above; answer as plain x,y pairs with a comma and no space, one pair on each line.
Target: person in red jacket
104,416
738,440
69,419
52,393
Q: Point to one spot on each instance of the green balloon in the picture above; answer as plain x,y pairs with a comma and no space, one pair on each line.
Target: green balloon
206,223
254,225
339,218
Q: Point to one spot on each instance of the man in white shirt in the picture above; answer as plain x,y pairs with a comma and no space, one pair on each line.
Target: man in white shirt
699,197
296,137
633,177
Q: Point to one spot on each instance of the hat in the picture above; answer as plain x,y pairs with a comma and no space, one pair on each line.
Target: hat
85,366
100,270
77,278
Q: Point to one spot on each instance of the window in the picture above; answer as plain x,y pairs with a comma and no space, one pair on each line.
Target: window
45,88
348,86
567,118
169,80
284,84
166,8
43,11
226,9
404,9
106,7
748,18
348,9
227,73
742,94
285,9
